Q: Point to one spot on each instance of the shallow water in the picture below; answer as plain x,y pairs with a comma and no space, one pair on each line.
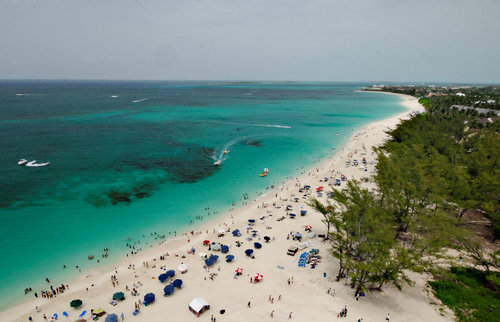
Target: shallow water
142,162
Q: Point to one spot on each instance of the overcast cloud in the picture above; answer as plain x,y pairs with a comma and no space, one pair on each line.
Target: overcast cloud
336,40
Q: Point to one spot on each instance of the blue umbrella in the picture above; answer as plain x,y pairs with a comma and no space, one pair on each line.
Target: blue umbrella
292,216
168,290
111,318
170,273
236,232
214,257
229,258
251,221
303,212
257,245
149,298
163,277
224,249
177,283
209,262
249,252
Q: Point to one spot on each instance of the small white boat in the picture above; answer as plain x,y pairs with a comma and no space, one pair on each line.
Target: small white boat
216,163
34,164
22,161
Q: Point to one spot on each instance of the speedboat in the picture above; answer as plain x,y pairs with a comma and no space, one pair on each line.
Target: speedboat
216,163
34,164
226,152
22,162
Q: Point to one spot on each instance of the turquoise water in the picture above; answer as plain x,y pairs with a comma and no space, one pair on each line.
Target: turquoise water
124,168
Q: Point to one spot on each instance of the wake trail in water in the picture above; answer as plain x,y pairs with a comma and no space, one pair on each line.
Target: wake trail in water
259,125
140,100
221,156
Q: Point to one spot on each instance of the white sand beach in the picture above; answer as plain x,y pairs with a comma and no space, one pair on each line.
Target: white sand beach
306,294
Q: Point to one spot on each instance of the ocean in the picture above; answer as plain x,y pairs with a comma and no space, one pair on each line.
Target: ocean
133,162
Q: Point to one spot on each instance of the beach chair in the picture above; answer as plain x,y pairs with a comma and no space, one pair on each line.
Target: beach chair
65,314
136,312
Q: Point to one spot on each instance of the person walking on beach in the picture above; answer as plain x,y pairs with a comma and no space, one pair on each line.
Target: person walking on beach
272,314
248,304
388,317
290,315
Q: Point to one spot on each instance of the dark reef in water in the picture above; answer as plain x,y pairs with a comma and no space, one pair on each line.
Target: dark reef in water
253,142
189,166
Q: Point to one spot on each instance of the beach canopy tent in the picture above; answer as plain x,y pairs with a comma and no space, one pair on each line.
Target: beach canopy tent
303,212
182,268
163,277
198,306
177,283
168,290
229,258
215,246
118,296
111,318
170,273
236,233
209,261
149,298
258,277
206,242
76,303
267,238
224,249
257,245
239,270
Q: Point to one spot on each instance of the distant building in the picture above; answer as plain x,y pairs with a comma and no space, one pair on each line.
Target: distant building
460,94
491,101
477,109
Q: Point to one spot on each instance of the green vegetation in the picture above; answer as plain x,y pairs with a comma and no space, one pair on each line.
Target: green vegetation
436,168
470,293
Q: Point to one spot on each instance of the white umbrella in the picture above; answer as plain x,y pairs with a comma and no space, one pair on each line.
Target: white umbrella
182,268
203,255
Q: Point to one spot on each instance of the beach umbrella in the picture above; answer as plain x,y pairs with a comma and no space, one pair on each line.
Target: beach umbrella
251,221
170,273
177,283
303,212
216,246
267,238
320,188
206,242
258,277
257,245
229,258
214,257
292,216
308,227
163,277
239,270
249,252
98,311
224,249
168,290
118,296
149,298
307,186
298,235
111,318
182,268
209,262
236,233
76,303
202,255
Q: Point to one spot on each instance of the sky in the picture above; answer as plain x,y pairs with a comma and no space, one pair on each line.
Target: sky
293,40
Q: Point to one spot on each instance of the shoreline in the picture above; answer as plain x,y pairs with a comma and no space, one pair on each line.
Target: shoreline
100,293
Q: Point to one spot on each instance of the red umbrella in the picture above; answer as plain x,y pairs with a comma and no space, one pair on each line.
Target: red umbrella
239,270
308,227
319,188
206,242
258,277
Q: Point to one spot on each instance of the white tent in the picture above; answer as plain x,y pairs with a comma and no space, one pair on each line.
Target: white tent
198,305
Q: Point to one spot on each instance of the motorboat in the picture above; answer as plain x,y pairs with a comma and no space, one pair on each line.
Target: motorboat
266,171
216,163
226,152
22,162
34,164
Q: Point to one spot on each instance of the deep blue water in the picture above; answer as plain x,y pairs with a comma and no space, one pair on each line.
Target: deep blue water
142,162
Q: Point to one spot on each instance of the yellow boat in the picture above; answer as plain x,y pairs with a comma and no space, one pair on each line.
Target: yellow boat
266,171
